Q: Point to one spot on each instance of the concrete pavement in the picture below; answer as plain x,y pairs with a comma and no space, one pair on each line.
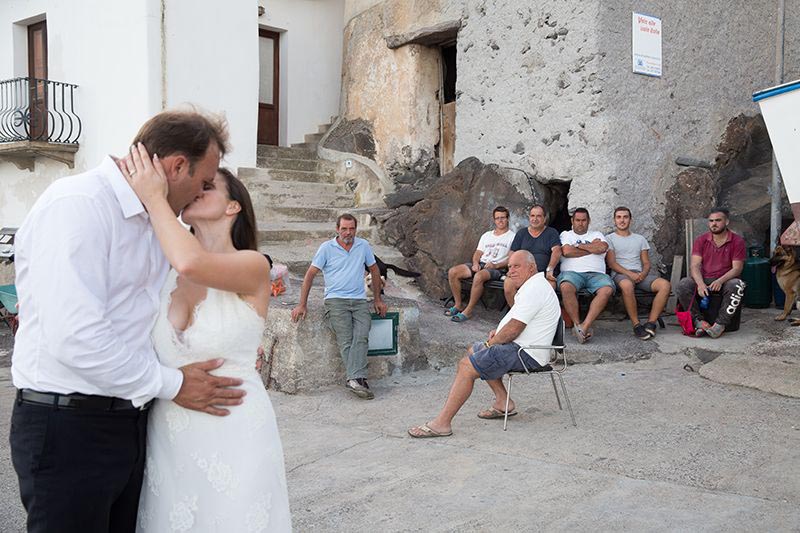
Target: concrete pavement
656,448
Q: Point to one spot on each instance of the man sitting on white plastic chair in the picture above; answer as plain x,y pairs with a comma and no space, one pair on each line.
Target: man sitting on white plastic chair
531,321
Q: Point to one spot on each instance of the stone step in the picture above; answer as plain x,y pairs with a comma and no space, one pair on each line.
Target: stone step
303,152
279,174
313,137
284,163
261,180
302,213
307,146
293,231
323,128
264,200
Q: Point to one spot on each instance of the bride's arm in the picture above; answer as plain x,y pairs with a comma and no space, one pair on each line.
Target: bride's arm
243,272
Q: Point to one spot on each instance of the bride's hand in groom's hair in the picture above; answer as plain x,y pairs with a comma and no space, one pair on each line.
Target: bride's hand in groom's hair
202,391
146,176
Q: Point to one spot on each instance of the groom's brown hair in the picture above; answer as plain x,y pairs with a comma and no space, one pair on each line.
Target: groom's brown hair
183,132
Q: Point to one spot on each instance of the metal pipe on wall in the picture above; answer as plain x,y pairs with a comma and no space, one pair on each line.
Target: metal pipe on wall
775,203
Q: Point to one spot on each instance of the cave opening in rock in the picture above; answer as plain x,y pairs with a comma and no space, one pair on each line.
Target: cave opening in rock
557,200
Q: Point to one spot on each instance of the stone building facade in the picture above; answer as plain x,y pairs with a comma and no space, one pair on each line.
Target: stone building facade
548,88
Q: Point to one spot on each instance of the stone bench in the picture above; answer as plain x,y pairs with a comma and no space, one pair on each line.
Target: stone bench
584,296
303,356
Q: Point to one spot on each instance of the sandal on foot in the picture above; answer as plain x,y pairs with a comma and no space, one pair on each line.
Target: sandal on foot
427,433
492,413
459,317
579,334
452,311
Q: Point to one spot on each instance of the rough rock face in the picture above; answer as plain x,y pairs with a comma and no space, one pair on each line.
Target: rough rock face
354,136
744,168
443,229
692,194
739,180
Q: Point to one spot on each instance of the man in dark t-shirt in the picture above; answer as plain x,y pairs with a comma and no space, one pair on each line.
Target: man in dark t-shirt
540,240
717,260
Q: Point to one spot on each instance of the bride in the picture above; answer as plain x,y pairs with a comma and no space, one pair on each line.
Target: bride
203,472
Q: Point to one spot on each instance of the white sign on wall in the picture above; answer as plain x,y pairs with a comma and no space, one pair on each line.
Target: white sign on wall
646,45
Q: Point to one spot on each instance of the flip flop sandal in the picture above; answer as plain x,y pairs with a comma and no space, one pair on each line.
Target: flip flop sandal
493,413
452,311
579,334
427,433
459,317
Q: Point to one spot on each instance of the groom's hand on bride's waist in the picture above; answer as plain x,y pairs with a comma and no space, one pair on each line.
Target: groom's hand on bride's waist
203,392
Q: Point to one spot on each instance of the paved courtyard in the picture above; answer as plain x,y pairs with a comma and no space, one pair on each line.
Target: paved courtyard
656,448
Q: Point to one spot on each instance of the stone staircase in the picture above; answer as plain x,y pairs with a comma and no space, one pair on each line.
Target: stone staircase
297,198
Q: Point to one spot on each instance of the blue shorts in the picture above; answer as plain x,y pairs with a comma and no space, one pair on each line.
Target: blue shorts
591,281
494,273
495,361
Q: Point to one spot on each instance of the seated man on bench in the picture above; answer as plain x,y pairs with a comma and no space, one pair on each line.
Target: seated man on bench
583,266
629,261
488,263
717,260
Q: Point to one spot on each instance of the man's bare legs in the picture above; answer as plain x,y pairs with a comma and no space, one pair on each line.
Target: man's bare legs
477,290
500,395
629,299
596,307
459,392
454,277
569,299
661,287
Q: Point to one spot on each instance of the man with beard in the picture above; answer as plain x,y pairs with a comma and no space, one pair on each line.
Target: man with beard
341,261
717,260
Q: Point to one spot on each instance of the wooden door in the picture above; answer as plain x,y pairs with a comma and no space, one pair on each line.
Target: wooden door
37,72
269,68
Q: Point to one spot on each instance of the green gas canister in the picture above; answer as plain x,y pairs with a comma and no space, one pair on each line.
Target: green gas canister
757,276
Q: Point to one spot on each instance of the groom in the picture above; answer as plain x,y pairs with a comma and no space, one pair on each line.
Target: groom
89,273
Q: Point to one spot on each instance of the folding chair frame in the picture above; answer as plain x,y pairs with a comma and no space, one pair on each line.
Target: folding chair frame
556,350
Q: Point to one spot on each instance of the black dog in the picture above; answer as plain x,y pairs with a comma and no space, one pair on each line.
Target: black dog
384,268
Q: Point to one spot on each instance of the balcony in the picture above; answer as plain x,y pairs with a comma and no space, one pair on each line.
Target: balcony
38,119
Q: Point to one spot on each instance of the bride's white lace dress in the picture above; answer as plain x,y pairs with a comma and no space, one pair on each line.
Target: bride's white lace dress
210,473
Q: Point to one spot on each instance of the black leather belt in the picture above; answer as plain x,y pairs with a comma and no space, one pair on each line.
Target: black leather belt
77,401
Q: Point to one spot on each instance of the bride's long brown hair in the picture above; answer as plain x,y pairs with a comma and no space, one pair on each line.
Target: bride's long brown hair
243,231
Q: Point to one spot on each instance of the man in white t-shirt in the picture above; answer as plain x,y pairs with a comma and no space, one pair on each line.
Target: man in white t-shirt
531,321
488,263
629,260
583,266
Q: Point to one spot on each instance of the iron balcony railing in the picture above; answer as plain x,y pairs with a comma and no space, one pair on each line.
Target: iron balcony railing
33,109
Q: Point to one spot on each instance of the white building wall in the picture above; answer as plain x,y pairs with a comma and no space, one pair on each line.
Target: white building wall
99,46
310,62
212,62
112,50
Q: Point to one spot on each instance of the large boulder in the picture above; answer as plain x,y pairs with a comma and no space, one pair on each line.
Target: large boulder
443,229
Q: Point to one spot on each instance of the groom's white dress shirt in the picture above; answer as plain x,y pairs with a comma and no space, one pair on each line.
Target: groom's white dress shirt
89,272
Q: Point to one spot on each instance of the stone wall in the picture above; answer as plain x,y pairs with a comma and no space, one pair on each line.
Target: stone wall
548,88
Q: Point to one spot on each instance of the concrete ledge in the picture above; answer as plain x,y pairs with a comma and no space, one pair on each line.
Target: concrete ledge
304,356
778,375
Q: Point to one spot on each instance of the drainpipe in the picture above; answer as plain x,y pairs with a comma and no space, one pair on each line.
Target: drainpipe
775,204
164,55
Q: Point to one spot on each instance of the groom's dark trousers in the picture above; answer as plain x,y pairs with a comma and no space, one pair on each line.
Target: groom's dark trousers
79,460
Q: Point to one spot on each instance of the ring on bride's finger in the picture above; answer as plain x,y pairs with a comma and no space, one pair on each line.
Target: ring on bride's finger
132,174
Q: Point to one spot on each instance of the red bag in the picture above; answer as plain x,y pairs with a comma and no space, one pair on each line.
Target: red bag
685,318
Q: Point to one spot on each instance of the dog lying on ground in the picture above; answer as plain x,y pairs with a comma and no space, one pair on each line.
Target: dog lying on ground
787,271
384,268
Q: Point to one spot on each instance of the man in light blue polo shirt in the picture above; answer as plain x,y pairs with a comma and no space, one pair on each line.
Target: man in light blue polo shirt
341,261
